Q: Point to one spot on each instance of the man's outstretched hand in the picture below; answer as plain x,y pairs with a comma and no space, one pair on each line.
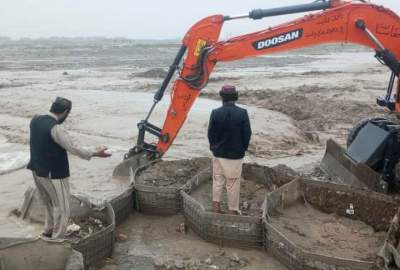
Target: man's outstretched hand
102,153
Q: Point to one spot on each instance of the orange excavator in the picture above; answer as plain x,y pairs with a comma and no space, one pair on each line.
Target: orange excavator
357,22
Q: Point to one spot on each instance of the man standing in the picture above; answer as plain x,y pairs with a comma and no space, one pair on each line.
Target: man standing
229,135
49,143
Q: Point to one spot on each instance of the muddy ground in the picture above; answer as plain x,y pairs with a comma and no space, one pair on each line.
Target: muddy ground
154,243
328,234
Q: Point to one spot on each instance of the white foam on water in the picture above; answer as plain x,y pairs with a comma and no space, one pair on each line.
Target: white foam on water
12,156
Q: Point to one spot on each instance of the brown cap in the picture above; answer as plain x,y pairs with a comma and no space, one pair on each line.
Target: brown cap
228,89
228,93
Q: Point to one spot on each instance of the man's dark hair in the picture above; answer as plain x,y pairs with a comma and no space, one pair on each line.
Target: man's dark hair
228,93
61,105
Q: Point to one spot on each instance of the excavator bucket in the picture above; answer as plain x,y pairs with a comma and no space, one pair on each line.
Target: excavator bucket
129,165
343,169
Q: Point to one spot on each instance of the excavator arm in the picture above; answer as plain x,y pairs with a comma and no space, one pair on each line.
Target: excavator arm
339,22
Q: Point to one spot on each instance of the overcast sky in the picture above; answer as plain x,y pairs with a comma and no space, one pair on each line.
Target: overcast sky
148,19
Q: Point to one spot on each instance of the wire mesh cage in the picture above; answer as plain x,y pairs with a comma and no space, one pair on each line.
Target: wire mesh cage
328,198
220,229
98,245
161,200
240,231
123,205
25,253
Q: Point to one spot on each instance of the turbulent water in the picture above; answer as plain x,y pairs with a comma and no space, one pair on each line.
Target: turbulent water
65,54
122,65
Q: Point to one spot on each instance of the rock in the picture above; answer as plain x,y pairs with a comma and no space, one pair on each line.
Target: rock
235,258
73,228
182,228
179,265
243,262
245,205
15,212
312,136
122,237
208,261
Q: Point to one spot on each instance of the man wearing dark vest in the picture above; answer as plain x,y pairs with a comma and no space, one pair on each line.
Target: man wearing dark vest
229,135
49,143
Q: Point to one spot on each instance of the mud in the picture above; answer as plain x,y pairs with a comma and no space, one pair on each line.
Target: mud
256,181
172,173
154,243
313,109
217,261
329,235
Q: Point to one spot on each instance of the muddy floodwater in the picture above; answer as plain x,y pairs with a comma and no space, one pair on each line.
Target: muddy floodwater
296,101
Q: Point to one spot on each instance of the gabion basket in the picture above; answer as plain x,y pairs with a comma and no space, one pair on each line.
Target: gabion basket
27,253
239,231
98,245
222,229
123,205
156,200
329,198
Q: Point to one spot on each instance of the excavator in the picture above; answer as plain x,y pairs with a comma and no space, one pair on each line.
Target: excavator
373,145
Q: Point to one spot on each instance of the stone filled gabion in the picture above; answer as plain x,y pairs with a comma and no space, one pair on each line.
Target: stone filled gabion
163,200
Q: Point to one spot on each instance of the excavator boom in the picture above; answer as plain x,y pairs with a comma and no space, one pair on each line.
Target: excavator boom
339,22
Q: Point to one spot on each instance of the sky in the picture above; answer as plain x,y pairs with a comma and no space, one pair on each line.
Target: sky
148,19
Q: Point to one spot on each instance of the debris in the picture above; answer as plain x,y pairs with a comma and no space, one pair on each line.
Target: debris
235,258
246,205
122,237
81,228
350,210
182,228
179,265
73,228
15,212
